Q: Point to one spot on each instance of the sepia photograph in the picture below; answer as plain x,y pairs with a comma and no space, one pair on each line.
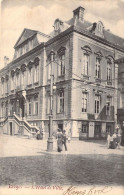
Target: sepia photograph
62,97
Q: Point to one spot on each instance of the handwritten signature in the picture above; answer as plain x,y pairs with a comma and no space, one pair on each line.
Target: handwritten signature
94,190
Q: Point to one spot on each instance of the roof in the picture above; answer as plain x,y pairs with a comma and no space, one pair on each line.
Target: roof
107,34
26,34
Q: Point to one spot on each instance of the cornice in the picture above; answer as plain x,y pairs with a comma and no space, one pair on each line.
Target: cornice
22,57
94,37
70,30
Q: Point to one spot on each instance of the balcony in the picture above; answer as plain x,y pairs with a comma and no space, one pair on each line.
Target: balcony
29,86
98,80
36,83
109,83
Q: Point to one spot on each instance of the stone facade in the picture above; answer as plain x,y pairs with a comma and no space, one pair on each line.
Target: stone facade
85,78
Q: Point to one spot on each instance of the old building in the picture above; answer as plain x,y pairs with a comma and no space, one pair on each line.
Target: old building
84,75
120,104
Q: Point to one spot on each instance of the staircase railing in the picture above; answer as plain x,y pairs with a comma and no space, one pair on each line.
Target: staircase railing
21,122
26,124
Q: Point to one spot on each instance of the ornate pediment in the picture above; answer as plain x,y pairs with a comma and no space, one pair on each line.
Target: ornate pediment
12,73
26,34
36,61
61,51
99,54
23,67
87,49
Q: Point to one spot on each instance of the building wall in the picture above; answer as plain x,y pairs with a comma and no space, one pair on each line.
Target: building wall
73,83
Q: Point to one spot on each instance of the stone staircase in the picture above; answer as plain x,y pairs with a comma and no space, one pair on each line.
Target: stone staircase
13,125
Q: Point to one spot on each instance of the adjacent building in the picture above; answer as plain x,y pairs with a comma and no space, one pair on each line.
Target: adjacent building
85,79
120,105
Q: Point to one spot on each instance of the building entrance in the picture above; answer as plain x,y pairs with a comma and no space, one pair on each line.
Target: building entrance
10,128
60,126
97,132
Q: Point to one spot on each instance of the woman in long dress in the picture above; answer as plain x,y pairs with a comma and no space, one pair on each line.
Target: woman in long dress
59,140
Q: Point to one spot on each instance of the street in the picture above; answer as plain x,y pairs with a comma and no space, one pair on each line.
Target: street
26,162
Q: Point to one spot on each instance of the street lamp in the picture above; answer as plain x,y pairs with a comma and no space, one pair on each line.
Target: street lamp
50,138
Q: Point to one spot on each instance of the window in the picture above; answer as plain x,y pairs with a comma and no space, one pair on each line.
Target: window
108,128
97,104
108,105
29,107
84,102
84,128
85,64
36,106
109,71
60,108
61,66
31,44
98,67
30,76
27,47
12,83
86,59
23,78
17,78
61,61
6,110
5,85
2,110
36,73
2,88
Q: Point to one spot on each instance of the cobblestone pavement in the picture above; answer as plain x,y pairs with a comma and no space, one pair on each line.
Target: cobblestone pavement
26,162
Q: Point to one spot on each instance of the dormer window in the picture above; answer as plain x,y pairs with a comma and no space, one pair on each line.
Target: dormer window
100,26
57,25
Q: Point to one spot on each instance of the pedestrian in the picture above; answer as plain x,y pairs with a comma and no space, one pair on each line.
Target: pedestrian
38,135
64,139
114,142
118,139
108,140
59,137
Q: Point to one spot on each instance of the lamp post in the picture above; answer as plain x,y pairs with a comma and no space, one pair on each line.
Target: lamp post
50,138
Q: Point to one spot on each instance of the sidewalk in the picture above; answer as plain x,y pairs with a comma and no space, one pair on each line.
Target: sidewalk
22,146
26,162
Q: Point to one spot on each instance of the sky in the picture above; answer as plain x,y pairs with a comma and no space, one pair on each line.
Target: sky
41,14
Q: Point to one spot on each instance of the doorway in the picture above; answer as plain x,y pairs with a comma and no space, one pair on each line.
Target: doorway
60,126
10,128
97,132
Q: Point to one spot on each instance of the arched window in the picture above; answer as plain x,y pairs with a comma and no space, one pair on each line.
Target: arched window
61,61
86,59
30,72
36,69
2,83
109,70
98,65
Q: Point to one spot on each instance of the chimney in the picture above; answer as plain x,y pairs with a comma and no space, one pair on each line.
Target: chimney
6,60
79,13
